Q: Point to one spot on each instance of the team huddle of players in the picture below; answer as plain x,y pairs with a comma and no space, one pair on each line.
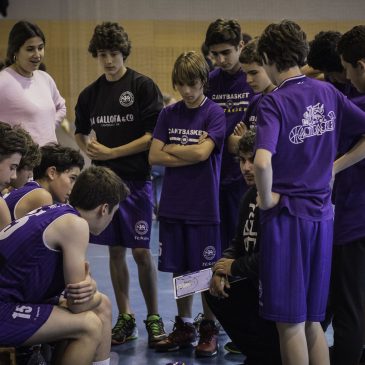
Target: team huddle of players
267,216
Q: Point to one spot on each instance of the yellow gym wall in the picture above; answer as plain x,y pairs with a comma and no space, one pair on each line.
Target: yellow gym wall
156,41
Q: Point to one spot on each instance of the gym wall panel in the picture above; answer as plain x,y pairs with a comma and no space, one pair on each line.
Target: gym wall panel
159,30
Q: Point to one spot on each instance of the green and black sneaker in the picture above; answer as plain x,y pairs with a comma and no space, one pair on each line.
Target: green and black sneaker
155,329
125,329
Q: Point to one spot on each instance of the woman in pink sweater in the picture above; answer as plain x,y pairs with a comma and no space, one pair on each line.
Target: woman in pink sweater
29,97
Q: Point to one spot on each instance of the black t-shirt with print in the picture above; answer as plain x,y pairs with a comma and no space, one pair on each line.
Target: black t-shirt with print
244,247
120,112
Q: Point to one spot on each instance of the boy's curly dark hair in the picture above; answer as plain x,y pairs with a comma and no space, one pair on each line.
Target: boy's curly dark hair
110,36
351,46
61,157
323,55
247,142
32,157
285,44
12,140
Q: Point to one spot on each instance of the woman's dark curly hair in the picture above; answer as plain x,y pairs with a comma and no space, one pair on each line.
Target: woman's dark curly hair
110,36
285,44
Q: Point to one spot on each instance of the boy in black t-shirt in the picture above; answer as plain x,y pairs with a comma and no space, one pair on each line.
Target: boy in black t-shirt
121,107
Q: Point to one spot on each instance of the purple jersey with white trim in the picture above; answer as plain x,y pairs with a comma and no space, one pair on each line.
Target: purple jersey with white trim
30,271
302,123
350,193
14,196
191,192
233,94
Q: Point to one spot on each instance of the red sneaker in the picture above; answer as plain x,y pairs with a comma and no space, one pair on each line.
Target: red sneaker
183,335
208,341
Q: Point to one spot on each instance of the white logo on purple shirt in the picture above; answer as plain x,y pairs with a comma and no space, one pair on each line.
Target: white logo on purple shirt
126,99
184,139
141,227
314,123
209,253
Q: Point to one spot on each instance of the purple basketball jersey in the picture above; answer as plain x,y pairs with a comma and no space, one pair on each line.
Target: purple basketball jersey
303,137
14,196
191,192
233,94
31,273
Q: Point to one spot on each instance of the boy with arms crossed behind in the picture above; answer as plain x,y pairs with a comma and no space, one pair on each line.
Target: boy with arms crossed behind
188,140
299,128
229,89
122,107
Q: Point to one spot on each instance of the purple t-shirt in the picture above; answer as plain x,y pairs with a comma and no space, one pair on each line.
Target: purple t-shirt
250,118
31,272
233,94
302,123
14,196
350,193
191,192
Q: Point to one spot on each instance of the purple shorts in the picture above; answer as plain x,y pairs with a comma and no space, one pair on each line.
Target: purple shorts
295,266
20,321
186,247
131,224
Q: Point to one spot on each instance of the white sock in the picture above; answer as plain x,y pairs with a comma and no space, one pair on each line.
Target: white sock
103,362
187,319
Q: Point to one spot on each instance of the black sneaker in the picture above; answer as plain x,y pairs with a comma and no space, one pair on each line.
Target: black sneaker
155,329
125,329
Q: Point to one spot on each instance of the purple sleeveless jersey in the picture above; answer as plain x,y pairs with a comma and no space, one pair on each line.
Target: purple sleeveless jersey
14,196
31,274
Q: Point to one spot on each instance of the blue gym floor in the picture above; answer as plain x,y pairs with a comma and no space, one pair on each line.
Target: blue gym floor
137,352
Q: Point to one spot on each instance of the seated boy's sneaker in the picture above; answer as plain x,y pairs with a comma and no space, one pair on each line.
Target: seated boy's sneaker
208,341
125,329
232,348
155,329
182,335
